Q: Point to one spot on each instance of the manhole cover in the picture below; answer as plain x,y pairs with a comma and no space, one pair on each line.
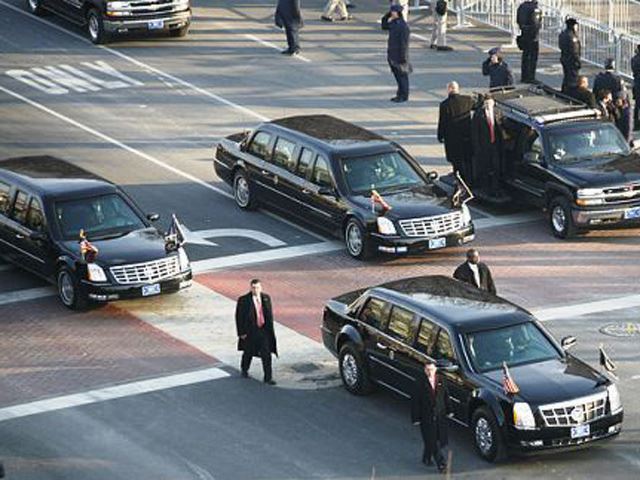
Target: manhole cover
628,329
304,367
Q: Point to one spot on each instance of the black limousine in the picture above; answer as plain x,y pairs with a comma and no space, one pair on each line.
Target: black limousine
326,171
44,204
382,335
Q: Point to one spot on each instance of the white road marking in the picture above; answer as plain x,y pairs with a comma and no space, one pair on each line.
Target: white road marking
494,221
111,393
580,309
26,294
200,236
274,46
635,377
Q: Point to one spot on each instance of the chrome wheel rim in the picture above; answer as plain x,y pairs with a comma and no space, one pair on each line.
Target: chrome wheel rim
33,5
242,191
65,288
484,436
94,28
354,239
350,370
558,218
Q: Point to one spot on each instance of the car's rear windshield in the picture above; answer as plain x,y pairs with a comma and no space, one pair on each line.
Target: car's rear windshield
101,217
515,344
572,145
381,172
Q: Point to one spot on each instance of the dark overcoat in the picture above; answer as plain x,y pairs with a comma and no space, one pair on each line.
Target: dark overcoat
430,409
583,95
397,43
454,126
246,324
499,73
608,80
464,274
486,155
635,68
570,49
288,14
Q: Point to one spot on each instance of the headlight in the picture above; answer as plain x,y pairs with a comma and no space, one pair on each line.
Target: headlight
614,398
523,416
118,6
96,273
590,196
183,259
386,226
466,215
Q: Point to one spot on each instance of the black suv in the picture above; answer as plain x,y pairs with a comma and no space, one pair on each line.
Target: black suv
559,155
45,202
384,334
105,18
328,172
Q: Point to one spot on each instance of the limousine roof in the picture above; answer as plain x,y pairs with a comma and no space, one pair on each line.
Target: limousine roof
450,301
51,176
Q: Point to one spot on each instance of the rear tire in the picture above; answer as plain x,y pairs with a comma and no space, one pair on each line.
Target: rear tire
354,371
356,240
35,7
180,32
95,27
487,437
560,218
243,192
70,291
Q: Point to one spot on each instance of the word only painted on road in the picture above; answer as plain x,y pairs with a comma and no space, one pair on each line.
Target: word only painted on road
63,79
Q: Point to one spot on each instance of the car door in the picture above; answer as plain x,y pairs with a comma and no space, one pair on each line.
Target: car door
374,317
530,173
321,198
6,196
281,178
256,161
37,241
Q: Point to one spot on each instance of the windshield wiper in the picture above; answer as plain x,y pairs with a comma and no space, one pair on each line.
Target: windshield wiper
112,235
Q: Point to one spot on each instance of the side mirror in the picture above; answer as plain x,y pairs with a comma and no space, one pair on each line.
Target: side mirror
153,217
532,157
38,236
568,342
447,366
330,191
433,175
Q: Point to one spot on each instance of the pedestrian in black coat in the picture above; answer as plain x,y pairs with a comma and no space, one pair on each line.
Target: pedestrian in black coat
570,51
635,68
398,50
608,80
529,18
454,130
582,93
475,273
288,16
497,70
430,406
486,138
254,325
624,116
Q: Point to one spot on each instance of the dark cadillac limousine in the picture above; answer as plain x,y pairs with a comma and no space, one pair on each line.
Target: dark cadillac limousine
45,202
323,170
382,335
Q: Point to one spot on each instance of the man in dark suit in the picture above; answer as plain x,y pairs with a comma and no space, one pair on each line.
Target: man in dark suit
486,138
254,324
582,93
288,16
454,130
430,406
475,273
497,69
398,50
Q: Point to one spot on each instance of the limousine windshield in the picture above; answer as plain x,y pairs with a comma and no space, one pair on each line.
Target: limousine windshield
106,216
382,172
514,344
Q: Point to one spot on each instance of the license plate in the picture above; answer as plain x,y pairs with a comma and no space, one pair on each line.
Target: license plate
149,290
437,243
156,24
632,213
580,431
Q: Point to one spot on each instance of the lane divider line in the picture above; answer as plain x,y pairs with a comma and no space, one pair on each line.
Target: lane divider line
111,393
26,294
275,47
580,309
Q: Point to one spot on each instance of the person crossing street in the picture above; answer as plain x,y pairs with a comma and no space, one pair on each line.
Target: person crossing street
289,18
439,32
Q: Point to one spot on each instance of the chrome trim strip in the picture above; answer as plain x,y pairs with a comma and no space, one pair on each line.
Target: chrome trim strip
306,205
400,392
380,362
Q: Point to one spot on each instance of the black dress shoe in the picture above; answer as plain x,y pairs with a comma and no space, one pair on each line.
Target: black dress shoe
442,468
445,49
270,382
326,19
350,6
399,100
286,51
245,374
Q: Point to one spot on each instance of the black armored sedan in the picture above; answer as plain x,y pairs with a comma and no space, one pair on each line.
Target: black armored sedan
382,335
347,181
44,204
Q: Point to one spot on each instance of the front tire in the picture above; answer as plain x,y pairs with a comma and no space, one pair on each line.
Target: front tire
353,371
487,437
560,218
35,7
356,240
95,27
243,192
70,291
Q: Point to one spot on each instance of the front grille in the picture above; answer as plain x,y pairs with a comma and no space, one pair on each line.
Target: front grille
575,412
432,226
148,272
155,7
622,194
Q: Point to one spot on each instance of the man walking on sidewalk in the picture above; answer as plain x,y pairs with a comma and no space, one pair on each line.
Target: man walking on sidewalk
336,5
439,32
398,51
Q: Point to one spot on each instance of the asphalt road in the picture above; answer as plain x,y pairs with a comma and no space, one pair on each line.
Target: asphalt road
150,126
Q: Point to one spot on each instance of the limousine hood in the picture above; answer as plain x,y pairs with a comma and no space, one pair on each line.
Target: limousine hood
553,381
410,203
135,247
601,173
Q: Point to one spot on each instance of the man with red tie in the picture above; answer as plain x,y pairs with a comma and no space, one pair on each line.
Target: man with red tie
256,336
430,406
486,138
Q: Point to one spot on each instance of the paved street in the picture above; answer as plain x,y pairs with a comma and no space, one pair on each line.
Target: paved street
145,113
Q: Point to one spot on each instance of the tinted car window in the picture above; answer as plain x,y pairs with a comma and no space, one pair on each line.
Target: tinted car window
321,175
19,212
375,313
568,146
4,198
443,348
260,145
401,324
283,154
35,216
381,171
426,337
304,165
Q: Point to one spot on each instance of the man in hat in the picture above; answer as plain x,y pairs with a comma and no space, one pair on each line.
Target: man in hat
288,16
497,69
529,18
570,50
635,68
608,79
430,406
398,50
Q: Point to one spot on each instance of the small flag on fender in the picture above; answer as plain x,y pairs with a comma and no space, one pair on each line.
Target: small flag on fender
606,362
175,237
509,385
376,198
88,251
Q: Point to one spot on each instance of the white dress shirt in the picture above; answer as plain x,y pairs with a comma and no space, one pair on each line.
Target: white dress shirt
476,272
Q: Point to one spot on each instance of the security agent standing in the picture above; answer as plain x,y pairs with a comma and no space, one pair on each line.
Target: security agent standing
476,273
497,69
288,16
570,51
529,19
398,50
608,80
486,138
635,68
254,325
454,130
430,406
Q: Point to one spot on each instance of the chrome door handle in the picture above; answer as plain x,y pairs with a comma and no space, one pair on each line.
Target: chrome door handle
381,346
264,172
19,236
305,191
